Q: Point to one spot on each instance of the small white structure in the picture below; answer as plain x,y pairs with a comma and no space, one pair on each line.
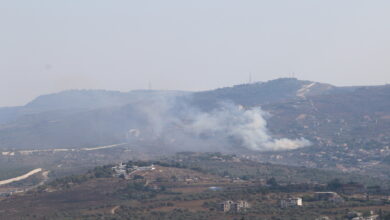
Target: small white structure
147,168
120,170
359,216
240,205
237,206
226,205
291,202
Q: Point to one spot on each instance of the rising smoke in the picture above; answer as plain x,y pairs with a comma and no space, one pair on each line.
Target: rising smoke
183,127
246,126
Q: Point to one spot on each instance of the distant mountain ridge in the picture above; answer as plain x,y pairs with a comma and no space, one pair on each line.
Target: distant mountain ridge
261,93
80,100
93,99
97,117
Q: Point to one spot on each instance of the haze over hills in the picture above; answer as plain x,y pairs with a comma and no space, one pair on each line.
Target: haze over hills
208,141
104,117
80,100
61,154
90,117
278,115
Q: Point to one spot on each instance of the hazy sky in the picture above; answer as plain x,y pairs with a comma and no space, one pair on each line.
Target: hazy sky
53,45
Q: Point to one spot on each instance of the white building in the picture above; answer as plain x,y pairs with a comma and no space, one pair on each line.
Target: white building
291,202
120,170
237,206
147,168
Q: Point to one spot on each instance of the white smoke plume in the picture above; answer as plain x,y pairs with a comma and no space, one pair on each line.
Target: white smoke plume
247,126
225,128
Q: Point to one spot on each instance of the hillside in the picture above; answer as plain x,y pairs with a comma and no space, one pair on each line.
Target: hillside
348,127
185,186
351,131
87,118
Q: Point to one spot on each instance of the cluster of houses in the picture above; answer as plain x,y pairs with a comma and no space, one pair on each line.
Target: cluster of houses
235,206
121,170
359,216
332,197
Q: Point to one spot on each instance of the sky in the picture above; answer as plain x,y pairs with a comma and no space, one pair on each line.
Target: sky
48,46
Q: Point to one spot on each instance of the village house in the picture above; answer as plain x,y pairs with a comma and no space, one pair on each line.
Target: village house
329,196
120,170
240,205
359,216
225,206
291,202
237,206
146,168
